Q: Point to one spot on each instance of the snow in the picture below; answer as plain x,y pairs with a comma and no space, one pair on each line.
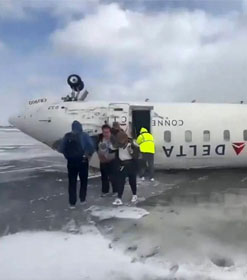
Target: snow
88,256
15,145
122,212
25,152
9,130
63,256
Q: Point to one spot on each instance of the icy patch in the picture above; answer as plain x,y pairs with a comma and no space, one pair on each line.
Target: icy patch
8,147
244,179
59,180
122,212
169,184
26,169
91,175
203,178
6,167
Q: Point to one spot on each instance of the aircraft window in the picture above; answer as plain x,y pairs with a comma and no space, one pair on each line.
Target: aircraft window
245,135
167,136
206,135
188,136
226,135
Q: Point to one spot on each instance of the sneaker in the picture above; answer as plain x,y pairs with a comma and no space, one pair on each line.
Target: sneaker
117,202
134,198
152,179
143,178
115,194
72,207
83,202
104,194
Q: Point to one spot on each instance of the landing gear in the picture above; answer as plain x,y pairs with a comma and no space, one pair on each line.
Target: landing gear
77,85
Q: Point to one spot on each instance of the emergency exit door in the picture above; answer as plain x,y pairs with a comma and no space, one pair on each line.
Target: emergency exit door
119,112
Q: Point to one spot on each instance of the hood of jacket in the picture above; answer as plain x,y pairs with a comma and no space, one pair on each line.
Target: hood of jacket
143,130
77,127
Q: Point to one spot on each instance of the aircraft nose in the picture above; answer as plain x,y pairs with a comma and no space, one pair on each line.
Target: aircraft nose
13,120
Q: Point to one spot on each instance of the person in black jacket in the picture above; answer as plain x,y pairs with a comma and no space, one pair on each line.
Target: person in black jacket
127,154
108,162
77,148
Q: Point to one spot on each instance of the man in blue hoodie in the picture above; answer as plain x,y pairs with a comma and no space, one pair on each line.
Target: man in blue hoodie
77,147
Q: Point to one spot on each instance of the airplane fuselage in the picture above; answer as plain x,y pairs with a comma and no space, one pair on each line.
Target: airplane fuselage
187,135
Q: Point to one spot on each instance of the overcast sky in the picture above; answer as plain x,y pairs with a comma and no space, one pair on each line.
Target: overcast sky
166,50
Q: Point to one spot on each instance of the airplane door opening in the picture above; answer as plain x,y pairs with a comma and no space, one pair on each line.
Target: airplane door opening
140,118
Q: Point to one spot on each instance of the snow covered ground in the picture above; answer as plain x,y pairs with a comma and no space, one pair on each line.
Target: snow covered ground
15,145
170,234
89,256
122,212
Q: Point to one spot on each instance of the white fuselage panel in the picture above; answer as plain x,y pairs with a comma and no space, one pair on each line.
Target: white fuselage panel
187,135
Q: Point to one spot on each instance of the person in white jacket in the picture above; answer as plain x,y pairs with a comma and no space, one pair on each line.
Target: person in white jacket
127,168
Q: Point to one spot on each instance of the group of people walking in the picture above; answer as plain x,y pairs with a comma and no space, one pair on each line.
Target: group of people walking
120,158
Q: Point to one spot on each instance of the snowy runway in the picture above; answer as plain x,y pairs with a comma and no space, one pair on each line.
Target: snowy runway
188,225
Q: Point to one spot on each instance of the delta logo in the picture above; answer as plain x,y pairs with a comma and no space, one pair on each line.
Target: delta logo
238,147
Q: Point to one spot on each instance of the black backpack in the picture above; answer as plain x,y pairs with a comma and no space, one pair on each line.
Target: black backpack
72,146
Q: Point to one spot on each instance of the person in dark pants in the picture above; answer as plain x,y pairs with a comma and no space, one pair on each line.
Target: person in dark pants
108,162
127,169
75,168
148,165
77,148
147,147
